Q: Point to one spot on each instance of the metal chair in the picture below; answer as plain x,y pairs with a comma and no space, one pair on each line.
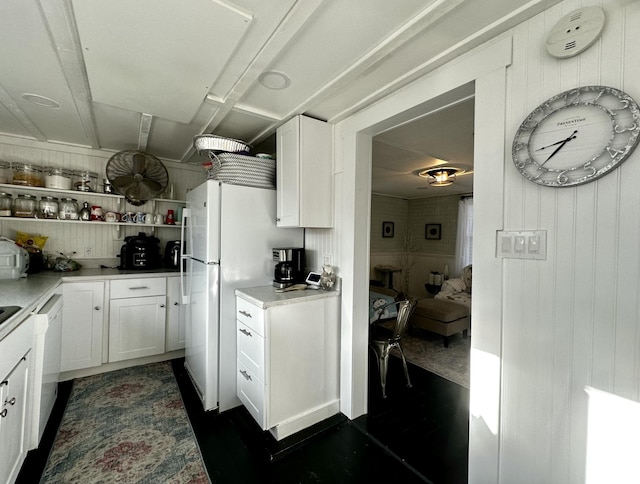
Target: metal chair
383,346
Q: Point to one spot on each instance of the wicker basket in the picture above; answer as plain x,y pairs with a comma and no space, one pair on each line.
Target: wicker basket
206,144
242,170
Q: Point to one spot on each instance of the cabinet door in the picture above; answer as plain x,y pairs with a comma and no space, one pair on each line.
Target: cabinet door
13,413
136,327
82,320
288,174
304,174
175,315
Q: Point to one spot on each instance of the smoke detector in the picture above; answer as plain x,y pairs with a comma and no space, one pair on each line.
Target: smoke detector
575,32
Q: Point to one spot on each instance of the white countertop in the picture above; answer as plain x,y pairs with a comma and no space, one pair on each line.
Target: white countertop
28,292
266,296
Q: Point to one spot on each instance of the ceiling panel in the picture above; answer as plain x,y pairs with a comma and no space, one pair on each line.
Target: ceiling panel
318,54
117,128
267,16
180,50
9,124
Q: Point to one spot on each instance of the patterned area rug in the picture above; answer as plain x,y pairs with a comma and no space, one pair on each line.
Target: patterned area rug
426,350
127,426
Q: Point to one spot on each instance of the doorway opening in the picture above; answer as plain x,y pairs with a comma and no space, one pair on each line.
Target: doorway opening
425,425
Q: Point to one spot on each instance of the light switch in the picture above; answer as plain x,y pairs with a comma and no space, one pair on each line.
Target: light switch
530,244
506,244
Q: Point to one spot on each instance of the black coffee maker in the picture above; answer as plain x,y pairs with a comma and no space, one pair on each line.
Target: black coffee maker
289,269
140,252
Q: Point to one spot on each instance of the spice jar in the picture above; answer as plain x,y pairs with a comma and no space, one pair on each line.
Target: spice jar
27,175
25,206
6,203
85,181
68,209
59,178
48,207
5,172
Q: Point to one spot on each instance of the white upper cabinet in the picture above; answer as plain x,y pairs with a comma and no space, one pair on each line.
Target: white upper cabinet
304,172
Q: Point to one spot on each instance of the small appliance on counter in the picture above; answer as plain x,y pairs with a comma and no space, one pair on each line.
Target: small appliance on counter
289,269
172,254
14,260
140,252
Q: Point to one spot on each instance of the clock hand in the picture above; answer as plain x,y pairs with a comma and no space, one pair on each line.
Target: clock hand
564,142
561,141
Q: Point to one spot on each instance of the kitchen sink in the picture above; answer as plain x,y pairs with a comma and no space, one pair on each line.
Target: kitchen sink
7,311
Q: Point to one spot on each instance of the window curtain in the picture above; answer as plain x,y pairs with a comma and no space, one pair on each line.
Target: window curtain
464,239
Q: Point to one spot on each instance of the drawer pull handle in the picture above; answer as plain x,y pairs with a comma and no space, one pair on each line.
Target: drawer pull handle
176,304
3,414
97,308
11,402
246,314
245,332
161,305
135,288
245,375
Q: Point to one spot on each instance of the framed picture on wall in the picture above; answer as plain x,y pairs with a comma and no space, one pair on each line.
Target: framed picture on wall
433,231
387,229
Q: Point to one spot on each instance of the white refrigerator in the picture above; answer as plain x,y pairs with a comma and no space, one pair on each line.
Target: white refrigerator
228,233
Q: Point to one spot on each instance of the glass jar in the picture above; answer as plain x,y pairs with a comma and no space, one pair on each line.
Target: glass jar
59,178
48,207
327,278
68,209
6,204
25,206
5,172
85,181
27,175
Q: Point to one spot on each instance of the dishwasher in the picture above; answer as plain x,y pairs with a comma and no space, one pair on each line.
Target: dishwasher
48,329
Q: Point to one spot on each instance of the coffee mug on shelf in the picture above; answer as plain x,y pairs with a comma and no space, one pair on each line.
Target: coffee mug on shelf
139,218
148,218
158,219
128,217
110,217
96,213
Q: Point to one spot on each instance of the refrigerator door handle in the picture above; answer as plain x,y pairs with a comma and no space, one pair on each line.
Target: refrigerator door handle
184,290
186,214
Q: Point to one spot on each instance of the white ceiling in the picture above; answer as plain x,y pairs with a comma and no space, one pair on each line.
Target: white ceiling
440,138
151,74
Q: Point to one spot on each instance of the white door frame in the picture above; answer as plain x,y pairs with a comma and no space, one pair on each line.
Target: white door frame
486,67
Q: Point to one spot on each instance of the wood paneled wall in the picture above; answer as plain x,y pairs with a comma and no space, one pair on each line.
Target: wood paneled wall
105,241
574,319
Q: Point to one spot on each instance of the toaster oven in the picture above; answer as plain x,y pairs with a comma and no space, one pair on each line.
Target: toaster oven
14,260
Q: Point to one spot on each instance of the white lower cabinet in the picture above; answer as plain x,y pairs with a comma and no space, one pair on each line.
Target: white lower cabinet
137,318
175,315
82,322
15,409
287,362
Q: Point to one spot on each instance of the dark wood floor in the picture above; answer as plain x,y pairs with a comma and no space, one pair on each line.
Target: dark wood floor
417,434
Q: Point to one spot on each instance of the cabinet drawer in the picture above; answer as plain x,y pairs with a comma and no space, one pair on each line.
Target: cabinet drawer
150,286
251,349
251,393
250,315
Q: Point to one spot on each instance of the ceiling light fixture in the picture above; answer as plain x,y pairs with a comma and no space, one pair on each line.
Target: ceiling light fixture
274,80
41,100
440,177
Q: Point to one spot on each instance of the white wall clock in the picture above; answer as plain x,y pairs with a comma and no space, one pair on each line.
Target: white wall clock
577,136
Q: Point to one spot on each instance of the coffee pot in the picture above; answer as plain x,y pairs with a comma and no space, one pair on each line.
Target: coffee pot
289,269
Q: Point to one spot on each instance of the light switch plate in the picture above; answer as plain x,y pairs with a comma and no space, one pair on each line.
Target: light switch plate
531,244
